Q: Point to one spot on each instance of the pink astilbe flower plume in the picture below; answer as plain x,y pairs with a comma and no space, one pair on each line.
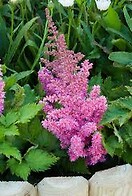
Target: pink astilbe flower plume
72,114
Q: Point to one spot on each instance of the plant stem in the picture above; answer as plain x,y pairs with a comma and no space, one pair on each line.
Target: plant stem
12,24
41,46
69,26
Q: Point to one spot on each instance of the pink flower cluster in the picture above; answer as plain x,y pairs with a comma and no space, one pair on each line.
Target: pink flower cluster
2,93
72,114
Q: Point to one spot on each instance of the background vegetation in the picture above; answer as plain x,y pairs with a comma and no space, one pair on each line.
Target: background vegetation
104,37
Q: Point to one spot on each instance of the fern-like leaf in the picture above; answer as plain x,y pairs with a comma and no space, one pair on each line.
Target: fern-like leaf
38,160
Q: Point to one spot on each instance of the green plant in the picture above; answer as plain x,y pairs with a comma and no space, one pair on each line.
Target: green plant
118,131
22,34
21,149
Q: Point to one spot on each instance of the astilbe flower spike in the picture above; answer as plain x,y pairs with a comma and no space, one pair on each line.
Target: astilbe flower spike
2,93
76,121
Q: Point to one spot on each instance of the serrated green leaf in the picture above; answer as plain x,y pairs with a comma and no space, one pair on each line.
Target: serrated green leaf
19,169
38,160
9,131
12,131
8,150
11,118
2,120
29,111
114,112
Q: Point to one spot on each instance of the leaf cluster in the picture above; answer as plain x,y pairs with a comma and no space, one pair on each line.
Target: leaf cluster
22,140
117,134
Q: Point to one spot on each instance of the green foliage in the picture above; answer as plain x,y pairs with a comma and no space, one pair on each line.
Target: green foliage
105,37
2,164
118,117
112,20
8,150
95,80
3,37
34,160
13,47
11,80
127,16
38,160
10,118
9,130
22,149
21,169
30,95
78,167
27,112
121,57
114,113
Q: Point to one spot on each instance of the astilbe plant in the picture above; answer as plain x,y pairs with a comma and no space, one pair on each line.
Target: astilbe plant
72,114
